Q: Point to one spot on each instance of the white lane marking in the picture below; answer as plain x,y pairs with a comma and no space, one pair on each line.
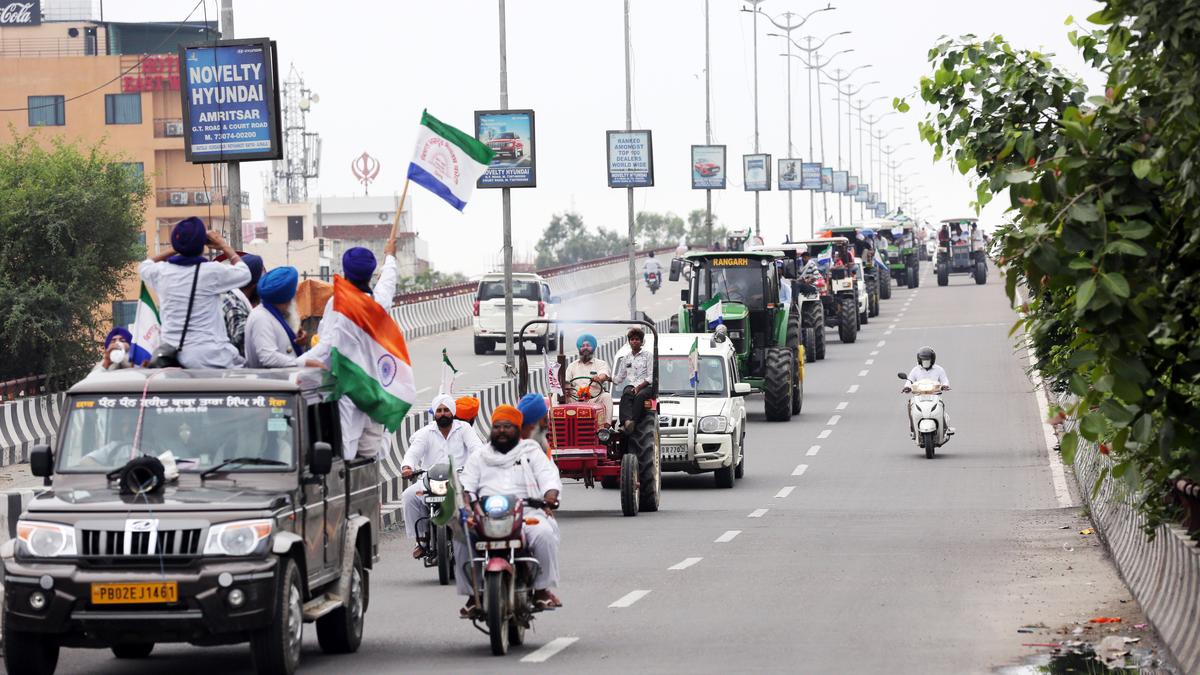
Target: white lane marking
825,434
685,563
842,405
1058,476
726,538
881,343
630,598
812,451
863,373
870,362
887,332
485,364
799,470
892,326
875,353
549,649
756,513
782,494
833,420
422,391
853,388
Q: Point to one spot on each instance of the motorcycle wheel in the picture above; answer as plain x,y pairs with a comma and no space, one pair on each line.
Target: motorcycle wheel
496,601
930,444
445,555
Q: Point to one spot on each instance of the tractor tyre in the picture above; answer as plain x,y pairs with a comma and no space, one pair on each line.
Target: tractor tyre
943,275
810,344
873,297
848,325
629,484
645,444
981,273
885,284
673,324
777,385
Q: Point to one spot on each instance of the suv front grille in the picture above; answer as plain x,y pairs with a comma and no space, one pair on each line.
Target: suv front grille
118,543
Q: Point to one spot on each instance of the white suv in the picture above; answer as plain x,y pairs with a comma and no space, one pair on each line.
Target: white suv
531,300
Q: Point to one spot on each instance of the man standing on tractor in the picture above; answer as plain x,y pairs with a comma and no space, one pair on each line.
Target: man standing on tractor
634,372
587,366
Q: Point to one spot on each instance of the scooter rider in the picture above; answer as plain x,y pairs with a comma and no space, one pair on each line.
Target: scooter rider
443,439
927,369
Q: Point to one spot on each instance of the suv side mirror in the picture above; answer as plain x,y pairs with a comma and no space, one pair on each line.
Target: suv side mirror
41,461
741,388
902,376
676,267
789,269
683,295
320,458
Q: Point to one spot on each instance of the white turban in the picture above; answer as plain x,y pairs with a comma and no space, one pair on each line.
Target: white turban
443,400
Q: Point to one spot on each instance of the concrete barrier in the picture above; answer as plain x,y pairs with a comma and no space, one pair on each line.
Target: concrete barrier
27,422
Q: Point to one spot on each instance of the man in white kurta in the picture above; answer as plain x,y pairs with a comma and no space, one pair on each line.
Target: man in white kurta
596,373
270,336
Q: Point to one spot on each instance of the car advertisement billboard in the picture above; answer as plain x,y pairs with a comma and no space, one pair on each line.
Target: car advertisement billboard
756,172
630,159
826,179
852,185
708,167
510,134
810,176
230,94
790,174
840,179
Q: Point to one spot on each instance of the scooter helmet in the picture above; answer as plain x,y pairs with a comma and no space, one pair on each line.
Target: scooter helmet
926,357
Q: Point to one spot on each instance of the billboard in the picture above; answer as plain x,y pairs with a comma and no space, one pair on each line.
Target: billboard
881,209
810,176
708,167
20,12
826,179
230,92
789,174
756,172
852,185
630,159
509,133
861,195
872,199
840,179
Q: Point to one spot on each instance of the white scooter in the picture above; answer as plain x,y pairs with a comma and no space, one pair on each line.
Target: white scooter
928,414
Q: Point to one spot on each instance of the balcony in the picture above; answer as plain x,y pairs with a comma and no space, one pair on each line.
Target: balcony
189,196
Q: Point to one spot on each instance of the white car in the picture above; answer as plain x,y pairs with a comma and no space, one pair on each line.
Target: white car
717,445
531,300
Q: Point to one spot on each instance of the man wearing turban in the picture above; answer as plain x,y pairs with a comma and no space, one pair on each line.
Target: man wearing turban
466,408
116,351
237,303
173,273
444,439
514,467
273,334
361,436
586,377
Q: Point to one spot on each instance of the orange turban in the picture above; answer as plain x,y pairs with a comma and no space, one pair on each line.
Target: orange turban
507,413
467,408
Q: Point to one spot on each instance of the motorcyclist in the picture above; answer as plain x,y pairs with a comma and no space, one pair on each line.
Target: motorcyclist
514,467
444,439
927,369
651,266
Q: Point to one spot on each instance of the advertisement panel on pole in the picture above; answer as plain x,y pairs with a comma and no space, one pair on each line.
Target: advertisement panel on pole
881,209
852,185
840,179
790,171
810,176
20,12
863,191
230,92
872,199
630,159
756,172
510,134
826,179
708,167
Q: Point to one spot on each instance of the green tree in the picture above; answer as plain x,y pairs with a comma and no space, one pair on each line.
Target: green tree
1104,195
428,279
70,217
568,240
698,234
658,230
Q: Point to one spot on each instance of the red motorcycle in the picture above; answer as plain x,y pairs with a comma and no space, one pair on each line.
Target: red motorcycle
654,281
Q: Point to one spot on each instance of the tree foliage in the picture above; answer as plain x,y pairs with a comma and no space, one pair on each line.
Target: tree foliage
698,234
568,240
428,279
69,223
1104,236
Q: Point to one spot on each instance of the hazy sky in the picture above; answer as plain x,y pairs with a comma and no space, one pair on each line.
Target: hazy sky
377,63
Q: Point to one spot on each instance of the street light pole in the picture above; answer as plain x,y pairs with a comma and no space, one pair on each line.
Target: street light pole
837,85
862,165
506,209
233,170
756,11
629,191
708,124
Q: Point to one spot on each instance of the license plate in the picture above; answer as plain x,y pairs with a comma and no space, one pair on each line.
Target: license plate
435,500
145,593
675,451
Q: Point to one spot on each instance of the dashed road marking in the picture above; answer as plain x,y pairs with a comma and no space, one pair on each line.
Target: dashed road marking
825,434
813,451
833,420
782,494
549,649
870,362
887,332
685,563
799,470
723,539
875,353
756,513
853,388
485,364
422,391
892,326
881,343
630,598
842,405
863,373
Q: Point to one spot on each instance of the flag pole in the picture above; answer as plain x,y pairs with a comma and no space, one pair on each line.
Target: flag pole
399,210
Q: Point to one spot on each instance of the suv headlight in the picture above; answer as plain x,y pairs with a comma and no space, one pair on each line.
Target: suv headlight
713,424
239,538
46,540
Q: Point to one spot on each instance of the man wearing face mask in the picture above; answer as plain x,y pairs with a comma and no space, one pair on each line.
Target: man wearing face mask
273,333
444,439
927,369
116,351
587,366
514,467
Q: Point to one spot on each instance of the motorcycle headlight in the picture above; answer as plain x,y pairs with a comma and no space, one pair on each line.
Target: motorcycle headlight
438,487
46,540
496,528
239,538
713,424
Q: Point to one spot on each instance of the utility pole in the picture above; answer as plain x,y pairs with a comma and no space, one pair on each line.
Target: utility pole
707,125
849,143
859,108
629,191
233,170
510,365
756,3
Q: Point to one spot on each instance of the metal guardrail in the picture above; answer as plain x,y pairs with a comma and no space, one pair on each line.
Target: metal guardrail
38,385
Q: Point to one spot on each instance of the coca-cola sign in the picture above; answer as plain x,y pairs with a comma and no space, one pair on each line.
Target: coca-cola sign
22,13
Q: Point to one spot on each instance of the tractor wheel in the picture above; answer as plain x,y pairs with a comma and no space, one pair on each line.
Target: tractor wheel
673,324
777,385
848,325
821,342
810,344
981,273
797,388
813,318
885,284
943,275
901,278
873,297
914,277
645,443
629,484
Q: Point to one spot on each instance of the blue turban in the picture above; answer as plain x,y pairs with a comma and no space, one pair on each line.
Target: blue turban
278,286
358,264
118,332
588,338
255,263
189,236
532,407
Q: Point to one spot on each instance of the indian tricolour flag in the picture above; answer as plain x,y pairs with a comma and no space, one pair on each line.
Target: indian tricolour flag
447,161
713,312
146,330
369,359
694,363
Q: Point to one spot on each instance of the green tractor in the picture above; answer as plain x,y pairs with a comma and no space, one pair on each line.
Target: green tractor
901,251
739,293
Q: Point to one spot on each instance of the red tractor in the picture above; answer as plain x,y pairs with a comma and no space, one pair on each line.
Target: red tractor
587,443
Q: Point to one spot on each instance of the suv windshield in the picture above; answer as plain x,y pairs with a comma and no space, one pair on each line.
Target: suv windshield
734,284
522,290
675,374
200,430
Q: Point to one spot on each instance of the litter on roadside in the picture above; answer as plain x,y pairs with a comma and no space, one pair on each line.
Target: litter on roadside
1106,619
1087,531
